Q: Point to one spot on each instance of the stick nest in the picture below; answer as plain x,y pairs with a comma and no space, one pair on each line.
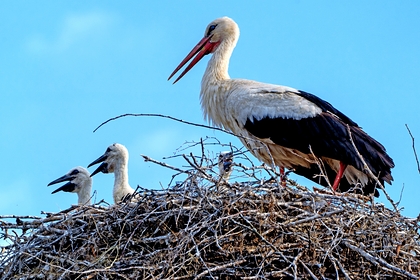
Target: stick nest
204,228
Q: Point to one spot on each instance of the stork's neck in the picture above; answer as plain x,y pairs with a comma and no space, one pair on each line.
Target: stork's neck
215,84
121,175
121,186
84,193
218,65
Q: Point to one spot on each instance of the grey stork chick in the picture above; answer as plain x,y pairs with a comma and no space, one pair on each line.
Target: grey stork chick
79,181
115,160
284,126
225,162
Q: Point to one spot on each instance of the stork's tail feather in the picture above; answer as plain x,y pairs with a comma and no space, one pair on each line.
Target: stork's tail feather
375,155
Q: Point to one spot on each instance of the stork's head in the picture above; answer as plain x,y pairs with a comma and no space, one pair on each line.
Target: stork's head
221,32
114,155
77,178
225,164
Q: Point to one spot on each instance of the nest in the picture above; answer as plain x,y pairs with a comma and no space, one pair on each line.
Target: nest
204,228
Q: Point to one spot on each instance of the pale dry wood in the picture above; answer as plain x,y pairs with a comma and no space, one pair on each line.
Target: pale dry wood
257,229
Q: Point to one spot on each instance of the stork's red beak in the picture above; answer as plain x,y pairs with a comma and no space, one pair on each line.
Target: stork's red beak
201,49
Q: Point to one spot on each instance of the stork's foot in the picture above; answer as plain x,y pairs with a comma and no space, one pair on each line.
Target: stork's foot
283,182
283,177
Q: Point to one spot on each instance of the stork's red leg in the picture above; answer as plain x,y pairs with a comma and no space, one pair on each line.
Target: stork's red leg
282,176
339,175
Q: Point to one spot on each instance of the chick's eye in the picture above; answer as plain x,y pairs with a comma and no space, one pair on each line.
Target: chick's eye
211,28
74,172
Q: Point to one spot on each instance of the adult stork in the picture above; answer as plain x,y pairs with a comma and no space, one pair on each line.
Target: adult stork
284,126
80,182
115,160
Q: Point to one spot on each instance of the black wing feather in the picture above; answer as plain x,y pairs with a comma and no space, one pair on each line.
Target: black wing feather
326,106
327,135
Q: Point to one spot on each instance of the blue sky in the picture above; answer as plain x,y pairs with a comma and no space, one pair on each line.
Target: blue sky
65,67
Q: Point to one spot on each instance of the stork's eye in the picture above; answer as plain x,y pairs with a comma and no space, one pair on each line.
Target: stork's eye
74,172
108,150
211,28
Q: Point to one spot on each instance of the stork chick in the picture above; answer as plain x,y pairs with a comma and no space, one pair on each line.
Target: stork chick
115,160
284,126
80,182
225,162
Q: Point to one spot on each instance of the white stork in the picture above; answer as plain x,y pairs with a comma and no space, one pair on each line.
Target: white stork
115,160
80,182
291,123
225,164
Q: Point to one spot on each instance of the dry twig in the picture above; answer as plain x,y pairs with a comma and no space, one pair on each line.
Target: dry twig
187,231
414,147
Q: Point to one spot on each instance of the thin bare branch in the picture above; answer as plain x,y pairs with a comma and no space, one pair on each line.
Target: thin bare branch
253,230
166,117
414,147
380,261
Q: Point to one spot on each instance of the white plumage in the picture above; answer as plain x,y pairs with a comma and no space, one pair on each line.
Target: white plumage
281,125
115,160
80,182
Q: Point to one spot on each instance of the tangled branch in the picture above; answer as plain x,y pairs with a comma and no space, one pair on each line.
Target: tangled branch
254,229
